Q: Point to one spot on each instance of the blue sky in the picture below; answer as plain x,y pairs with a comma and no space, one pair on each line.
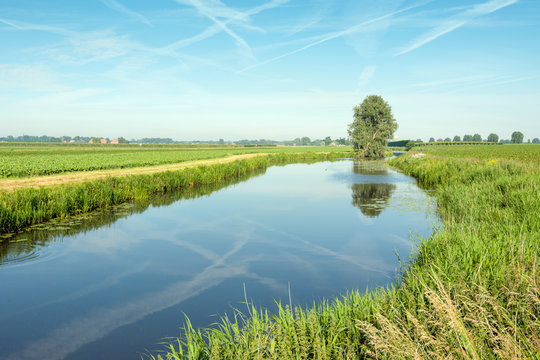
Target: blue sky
275,69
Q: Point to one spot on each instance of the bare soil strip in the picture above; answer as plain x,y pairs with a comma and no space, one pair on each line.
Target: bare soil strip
77,177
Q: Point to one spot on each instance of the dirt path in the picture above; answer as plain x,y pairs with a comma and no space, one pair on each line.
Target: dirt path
41,181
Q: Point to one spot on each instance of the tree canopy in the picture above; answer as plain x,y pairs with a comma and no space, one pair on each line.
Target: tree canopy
372,126
517,137
477,137
493,138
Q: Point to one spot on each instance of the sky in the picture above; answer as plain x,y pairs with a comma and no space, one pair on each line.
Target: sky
272,69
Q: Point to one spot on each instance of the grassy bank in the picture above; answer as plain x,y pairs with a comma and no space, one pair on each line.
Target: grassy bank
24,207
471,292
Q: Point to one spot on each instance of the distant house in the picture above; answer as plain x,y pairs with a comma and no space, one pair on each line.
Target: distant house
71,141
91,141
114,141
103,141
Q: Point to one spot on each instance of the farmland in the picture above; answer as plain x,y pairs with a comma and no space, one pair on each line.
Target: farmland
522,152
27,160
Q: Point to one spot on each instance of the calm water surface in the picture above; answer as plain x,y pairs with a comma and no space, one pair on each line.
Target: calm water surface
114,283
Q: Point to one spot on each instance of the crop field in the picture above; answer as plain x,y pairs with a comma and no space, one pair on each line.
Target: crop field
25,160
522,152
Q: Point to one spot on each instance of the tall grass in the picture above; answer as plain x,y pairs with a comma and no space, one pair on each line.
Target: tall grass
24,207
471,291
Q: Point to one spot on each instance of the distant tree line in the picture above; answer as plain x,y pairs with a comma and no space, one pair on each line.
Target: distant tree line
516,138
54,139
304,141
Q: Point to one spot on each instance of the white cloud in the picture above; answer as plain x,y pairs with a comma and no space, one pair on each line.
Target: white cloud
457,21
23,26
334,35
30,77
366,76
121,8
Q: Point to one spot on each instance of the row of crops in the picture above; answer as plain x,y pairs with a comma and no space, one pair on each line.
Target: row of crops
524,152
26,161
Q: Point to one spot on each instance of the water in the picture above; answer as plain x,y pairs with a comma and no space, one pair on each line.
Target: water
115,283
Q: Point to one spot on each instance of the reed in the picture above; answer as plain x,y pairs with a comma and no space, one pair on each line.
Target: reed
470,292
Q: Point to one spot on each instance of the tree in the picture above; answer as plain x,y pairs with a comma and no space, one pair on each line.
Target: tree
456,138
306,141
371,199
447,139
372,126
467,138
122,140
477,137
493,138
517,137
536,141
441,140
431,139
327,140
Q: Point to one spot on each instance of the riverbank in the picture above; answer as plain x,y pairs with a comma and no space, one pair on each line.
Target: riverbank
472,290
35,200
11,184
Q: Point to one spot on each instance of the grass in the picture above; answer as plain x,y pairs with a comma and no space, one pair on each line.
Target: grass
521,153
21,160
24,207
471,291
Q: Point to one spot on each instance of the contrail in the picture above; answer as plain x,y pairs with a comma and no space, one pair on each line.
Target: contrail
332,36
121,8
458,21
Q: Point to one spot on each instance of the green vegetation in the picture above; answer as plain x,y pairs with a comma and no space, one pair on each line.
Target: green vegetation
373,125
522,153
493,138
24,160
471,292
27,206
412,144
517,137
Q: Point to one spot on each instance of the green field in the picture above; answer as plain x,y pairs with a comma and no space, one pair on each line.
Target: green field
26,160
522,152
471,291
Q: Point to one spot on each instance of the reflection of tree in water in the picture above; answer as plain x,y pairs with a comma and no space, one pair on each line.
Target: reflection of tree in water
371,199
22,246
371,167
